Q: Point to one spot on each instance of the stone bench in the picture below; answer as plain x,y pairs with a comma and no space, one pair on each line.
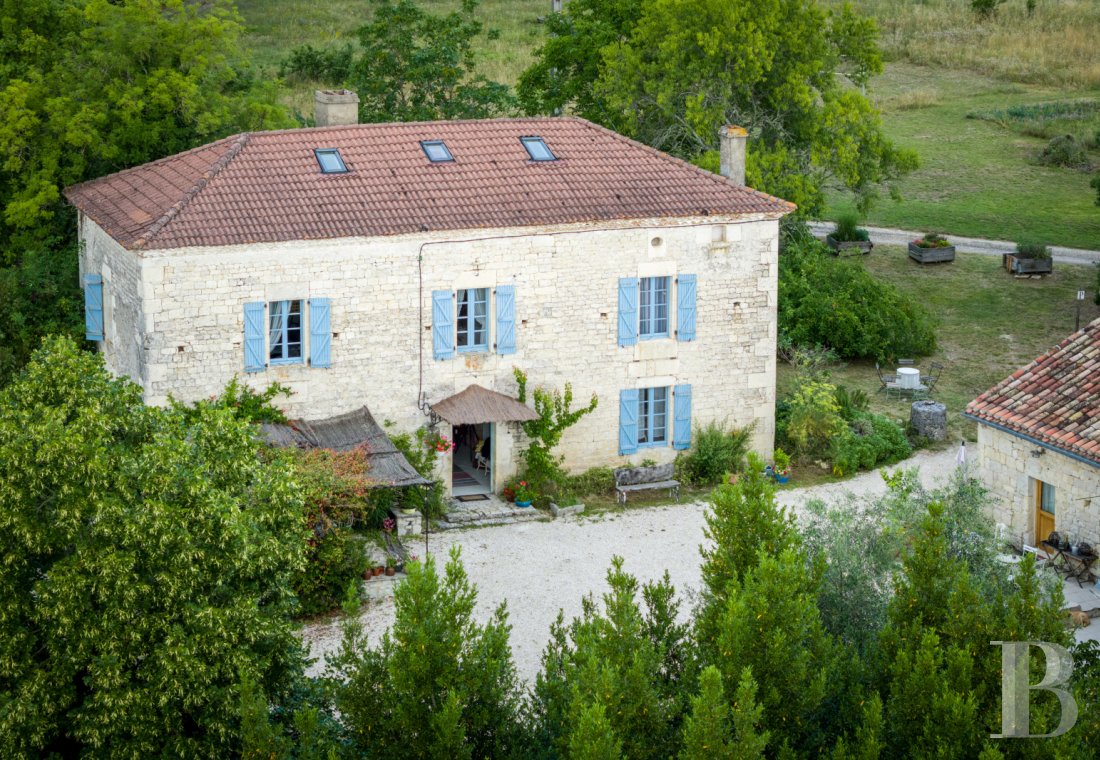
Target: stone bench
629,479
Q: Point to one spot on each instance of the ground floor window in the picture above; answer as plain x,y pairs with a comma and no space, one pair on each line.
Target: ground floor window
652,416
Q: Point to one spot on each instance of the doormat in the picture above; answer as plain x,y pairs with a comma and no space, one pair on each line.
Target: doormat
473,497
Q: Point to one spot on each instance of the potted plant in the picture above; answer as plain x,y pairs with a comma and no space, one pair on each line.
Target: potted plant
391,566
524,496
849,236
1029,258
782,466
377,570
931,248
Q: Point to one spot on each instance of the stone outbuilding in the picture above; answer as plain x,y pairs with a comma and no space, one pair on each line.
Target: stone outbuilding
395,265
1039,443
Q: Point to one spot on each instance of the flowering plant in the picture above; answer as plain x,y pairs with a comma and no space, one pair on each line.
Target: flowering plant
523,492
389,524
438,441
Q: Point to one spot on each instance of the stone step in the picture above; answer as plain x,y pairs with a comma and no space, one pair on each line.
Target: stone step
499,518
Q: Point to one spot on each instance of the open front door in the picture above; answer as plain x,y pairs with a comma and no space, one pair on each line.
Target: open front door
1044,511
471,469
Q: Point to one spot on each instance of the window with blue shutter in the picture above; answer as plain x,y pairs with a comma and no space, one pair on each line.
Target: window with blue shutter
93,307
685,307
254,337
443,324
473,320
506,319
653,307
652,417
628,421
681,417
320,333
284,332
628,311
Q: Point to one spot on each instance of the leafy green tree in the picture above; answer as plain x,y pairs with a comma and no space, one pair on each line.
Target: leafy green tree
629,662
744,520
411,65
439,685
97,86
712,732
146,568
670,73
593,738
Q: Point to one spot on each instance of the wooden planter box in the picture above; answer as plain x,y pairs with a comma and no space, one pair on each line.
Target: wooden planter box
849,247
1027,266
931,255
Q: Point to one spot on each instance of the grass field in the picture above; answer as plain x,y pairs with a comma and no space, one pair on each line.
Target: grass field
978,177
990,324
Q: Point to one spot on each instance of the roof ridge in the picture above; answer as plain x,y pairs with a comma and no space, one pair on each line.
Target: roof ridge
421,123
718,178
177,208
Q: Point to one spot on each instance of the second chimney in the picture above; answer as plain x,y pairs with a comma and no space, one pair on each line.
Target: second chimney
732,153
335,108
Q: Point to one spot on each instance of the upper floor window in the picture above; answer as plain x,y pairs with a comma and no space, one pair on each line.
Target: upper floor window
652,416
473,320
331,161
537,149
284,332
653,307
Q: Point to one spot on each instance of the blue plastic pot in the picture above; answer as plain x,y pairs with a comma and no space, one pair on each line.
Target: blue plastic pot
523,503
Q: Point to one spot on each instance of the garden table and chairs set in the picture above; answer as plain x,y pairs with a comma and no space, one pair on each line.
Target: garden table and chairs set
907,379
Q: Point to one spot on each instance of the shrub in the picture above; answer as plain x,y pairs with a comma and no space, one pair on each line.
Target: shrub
1064,150
245,403
849,402
932,240
839,304
714,452
985,8
870,440
847,229
555,415
597,480
1032,251
421,449
334,559
814,418
307,62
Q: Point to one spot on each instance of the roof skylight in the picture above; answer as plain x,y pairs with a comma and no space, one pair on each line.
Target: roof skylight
537,149
330,160
436,151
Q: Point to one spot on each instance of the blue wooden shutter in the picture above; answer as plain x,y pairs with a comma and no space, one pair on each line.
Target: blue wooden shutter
93,307
254,337
681,417
443,324
506,319
320,333
628,421
685,307
628,311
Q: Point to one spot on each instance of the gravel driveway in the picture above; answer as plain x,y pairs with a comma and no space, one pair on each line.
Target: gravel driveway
541,567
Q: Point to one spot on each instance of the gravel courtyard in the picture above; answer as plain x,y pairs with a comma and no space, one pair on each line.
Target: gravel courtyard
541,567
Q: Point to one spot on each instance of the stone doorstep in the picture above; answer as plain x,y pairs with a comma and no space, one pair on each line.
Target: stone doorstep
557,511
529,515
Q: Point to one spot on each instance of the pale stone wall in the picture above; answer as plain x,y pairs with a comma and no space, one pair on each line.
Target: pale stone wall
566,281
1010,472
122,307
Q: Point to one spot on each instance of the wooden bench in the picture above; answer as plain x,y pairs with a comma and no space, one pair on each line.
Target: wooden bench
628,479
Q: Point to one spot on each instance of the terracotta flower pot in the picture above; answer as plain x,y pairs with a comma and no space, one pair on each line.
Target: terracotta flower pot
367,575
377,570
391,571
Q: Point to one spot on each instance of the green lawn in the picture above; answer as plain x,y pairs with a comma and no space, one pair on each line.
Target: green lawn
977,178
989,324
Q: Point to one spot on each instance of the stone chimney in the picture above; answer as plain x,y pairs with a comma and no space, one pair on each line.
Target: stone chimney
335,108
732,146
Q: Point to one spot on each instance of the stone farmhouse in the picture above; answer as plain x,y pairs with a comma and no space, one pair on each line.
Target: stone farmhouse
409,267
1039,442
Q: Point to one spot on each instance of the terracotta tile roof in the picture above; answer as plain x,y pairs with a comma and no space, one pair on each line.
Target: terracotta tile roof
1055,399
267,187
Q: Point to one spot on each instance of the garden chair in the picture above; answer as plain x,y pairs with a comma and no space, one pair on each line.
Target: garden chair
933,377
885,380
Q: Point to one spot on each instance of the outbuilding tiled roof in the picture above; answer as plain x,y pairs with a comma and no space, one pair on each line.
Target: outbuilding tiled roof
1053,400
267,186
